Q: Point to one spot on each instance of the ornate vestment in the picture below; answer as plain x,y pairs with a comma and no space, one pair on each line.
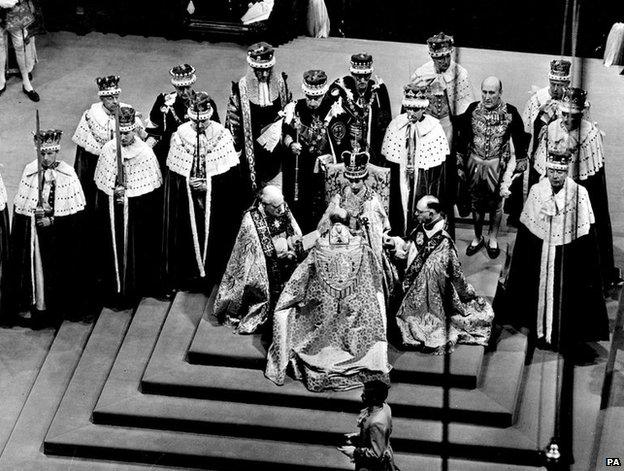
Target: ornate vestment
554,285
437,294
303,177
44,262
186,228
130,229
484,144
424,146
254,106
455,89
365,119
255,275
329,325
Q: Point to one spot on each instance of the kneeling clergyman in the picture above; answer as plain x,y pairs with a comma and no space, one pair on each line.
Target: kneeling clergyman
439,308
329,326
45,274
200,150
127,209
554,287
265,254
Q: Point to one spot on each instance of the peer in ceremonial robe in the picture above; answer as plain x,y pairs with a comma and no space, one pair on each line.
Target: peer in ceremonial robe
366,110
188,194
416,149
305,135
329,326
486,161
266,252
554,286
450,91
253,118
169,111
45,273
96,128
584,140
128,215
439,308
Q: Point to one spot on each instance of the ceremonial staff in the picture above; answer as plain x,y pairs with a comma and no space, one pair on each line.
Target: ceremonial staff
39,163
296,196
121,177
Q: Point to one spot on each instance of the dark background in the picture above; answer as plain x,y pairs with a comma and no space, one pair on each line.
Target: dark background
527,26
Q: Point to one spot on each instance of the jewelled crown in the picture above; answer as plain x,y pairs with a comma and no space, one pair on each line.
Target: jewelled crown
50,139
183,75
440,45
314,83
127,119
558,159
573,100
200,108
362,64
560,70
261,56
356,164
108,85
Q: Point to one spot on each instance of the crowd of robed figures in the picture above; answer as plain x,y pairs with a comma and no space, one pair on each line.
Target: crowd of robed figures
325,222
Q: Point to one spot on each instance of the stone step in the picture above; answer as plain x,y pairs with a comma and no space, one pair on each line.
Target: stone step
73,434
167,373
219,346
121,403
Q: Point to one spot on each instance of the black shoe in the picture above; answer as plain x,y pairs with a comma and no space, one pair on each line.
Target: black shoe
473,249
493,252
3,89
32,94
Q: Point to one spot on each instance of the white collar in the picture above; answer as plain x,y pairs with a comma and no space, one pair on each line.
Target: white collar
437,227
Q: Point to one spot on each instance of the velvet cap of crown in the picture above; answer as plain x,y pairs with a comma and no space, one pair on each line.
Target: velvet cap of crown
183,75
314,83
108,86
356,164
559,70
415,93
261,56
127,119
558,159
49,139
573,100
361,64
440,45
199,106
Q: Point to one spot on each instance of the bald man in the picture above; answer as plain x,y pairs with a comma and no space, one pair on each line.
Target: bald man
265,254
487,131
436,294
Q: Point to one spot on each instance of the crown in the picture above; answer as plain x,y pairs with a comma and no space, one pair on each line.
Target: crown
362,64
314,83
183,75
356,164
200,107
560,70
440,45
108,85
415,94
558,158
573,100
261,56
50,139
127,119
